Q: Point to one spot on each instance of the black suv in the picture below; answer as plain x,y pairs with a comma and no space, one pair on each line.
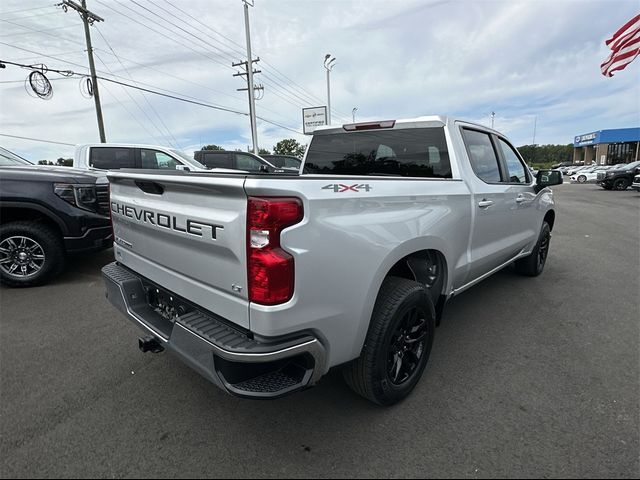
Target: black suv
47,213
619,178
234,160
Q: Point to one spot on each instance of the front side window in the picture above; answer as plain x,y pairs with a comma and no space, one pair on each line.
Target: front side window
155,159
409,152
111,158
515,168
247,162
484,160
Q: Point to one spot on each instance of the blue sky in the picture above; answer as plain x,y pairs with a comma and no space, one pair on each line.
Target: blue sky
528,61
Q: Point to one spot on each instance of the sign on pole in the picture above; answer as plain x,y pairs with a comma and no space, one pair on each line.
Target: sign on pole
312,118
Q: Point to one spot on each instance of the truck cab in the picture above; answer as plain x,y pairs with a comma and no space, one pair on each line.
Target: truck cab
116,156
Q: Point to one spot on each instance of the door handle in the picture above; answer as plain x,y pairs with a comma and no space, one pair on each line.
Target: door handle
520,199
485,203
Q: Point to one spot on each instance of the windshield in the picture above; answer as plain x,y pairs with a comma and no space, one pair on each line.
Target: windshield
189,159
630,166
7,159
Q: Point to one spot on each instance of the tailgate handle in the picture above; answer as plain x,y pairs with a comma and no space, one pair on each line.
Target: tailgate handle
150,187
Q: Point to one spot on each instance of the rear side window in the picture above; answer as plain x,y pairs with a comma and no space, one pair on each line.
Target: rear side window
217,160
515,168
156,159
410,152
484,160
247,162
111,158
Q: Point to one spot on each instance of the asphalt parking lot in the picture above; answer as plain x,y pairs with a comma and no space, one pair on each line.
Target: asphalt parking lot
527,378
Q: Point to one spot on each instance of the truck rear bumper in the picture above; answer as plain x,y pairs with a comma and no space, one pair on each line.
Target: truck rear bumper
233,359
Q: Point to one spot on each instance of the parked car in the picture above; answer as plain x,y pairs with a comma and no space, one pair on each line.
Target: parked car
560,165
115,156
575,169
636,183
619,178
245,161
46,214
584,175
273,280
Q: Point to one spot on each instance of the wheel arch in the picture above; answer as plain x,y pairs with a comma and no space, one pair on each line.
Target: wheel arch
550,218
10,212
393,263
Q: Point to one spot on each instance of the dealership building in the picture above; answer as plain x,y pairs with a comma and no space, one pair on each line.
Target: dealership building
607,147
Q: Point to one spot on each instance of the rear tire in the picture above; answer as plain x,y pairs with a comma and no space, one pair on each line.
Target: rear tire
31,253
533,265
397,345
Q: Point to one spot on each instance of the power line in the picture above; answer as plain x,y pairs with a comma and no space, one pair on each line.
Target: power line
136,103
34,16
144,127
202,104
175,142
229,55
44,55
26,10
33,30
183,30
162,34
181,97
36,139
42,31
240,49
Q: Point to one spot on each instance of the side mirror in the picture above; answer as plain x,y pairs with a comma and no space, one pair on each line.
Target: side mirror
183,168
547,178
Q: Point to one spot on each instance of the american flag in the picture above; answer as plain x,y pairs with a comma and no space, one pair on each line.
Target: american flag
624,45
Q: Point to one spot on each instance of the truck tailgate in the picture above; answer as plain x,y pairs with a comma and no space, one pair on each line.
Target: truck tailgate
187,233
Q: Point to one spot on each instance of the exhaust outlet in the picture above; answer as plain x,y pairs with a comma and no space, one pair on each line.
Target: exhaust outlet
149,344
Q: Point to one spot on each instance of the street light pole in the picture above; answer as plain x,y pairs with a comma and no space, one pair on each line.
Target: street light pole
353,113
328,65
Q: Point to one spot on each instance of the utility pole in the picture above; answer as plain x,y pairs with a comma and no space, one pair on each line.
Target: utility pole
249,71
252,97
88,18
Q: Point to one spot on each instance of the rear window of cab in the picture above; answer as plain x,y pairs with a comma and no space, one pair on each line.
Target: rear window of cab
409,152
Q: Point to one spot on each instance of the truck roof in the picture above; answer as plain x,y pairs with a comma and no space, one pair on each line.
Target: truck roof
422,121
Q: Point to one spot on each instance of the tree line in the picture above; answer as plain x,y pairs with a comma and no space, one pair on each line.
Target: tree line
288,146
546,154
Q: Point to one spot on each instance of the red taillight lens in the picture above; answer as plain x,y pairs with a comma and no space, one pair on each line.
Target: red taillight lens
270,269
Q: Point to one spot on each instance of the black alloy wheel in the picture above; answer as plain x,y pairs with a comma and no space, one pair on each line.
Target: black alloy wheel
407,346
621,184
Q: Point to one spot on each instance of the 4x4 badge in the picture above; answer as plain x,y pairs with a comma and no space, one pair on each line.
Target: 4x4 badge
340,187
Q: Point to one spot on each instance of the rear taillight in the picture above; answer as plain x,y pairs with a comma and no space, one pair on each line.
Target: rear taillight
270,269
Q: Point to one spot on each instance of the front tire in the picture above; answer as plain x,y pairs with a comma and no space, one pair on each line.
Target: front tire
31,253
533,265
582,179
621,184
397,345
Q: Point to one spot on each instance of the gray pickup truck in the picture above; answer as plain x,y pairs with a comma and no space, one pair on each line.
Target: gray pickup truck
262,283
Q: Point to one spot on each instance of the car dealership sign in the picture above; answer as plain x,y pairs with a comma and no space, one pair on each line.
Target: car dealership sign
313,118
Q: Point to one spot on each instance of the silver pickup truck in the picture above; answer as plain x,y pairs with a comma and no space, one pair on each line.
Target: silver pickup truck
262,283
